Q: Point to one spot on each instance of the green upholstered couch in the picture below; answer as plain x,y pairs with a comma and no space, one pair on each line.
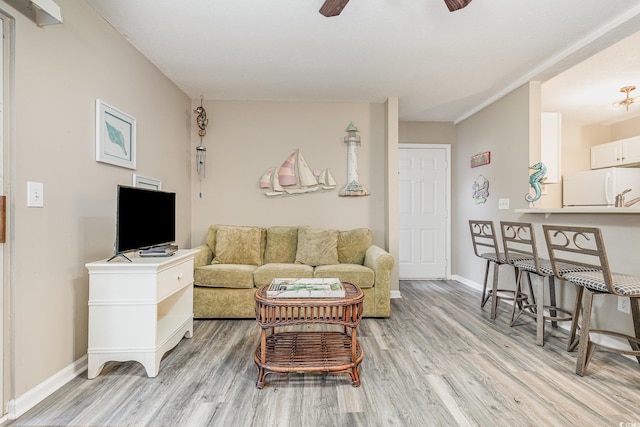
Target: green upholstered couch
236,260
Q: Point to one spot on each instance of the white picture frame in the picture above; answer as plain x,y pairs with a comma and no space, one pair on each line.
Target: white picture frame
146,182
115,136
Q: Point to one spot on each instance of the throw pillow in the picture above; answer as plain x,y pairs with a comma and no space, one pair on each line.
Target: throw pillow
282,243
238,245
317,246
352,245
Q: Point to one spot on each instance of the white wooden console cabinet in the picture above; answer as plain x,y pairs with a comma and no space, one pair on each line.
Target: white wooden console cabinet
139,310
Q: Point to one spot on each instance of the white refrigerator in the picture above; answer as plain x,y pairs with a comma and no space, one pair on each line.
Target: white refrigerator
599,187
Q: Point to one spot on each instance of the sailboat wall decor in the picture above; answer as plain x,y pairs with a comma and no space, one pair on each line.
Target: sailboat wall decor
295,176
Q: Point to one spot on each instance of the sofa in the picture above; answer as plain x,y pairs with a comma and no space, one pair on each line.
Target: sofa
235,260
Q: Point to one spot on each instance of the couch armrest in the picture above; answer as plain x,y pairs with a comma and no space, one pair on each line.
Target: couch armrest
203,256
381,262
377,258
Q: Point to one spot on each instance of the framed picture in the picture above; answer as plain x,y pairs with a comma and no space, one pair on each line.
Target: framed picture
146,182
481,159
115,136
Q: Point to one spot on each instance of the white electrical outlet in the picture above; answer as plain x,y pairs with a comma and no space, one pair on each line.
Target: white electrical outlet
503,203
623,305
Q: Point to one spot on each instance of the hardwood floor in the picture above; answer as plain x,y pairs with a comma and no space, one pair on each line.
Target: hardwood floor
438,361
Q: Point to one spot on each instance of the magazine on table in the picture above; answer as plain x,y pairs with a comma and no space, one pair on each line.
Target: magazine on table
306,288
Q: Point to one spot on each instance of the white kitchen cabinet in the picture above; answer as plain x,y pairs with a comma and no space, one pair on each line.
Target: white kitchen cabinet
623,152
551,146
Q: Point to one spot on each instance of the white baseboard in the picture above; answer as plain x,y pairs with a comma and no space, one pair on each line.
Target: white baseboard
20,405
465,281
395,294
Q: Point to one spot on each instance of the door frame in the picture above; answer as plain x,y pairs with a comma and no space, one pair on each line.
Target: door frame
447,148
7,145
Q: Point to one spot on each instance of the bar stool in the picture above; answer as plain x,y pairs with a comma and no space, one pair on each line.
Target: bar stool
521,250
485,246
584,246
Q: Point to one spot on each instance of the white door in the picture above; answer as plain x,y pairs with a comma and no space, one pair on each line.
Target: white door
424,211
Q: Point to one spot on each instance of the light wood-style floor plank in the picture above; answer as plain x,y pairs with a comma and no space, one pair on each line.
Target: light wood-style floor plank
437,361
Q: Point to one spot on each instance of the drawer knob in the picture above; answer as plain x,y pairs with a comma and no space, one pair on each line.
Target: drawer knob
179,276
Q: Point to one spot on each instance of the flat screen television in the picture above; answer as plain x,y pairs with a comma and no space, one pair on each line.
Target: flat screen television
144,219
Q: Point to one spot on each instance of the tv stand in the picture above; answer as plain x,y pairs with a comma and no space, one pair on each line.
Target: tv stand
139,310
120,254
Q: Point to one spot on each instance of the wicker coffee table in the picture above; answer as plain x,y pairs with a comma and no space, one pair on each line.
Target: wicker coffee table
301,351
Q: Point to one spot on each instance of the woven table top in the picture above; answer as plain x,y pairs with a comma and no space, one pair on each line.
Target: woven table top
286,311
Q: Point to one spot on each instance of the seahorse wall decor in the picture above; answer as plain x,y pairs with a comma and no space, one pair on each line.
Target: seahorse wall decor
536,180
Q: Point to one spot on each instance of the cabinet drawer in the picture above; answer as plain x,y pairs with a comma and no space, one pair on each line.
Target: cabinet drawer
174,278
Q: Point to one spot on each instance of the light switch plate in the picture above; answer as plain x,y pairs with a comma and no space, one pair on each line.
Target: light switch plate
35,194
503,203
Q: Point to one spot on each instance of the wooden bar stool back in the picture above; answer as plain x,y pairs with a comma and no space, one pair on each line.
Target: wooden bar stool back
485,246
521,250
584,246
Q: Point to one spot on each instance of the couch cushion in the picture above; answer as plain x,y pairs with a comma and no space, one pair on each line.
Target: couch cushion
267,272
238,245
317,246
225,276
282,244
352,273
211,238
352,245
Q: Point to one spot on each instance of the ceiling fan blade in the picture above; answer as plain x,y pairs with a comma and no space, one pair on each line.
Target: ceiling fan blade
454,5
333,7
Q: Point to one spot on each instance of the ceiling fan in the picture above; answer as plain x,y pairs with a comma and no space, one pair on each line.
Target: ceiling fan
334,7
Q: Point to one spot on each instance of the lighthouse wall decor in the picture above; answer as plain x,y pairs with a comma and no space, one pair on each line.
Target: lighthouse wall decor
353,188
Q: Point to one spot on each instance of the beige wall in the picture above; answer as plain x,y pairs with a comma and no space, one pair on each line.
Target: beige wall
508,175
508,142
59,72
427,133
625,129
244,139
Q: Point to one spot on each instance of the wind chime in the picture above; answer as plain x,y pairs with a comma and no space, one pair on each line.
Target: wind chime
201,150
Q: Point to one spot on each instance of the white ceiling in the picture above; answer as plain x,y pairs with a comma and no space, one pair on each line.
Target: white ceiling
442,66
586,92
